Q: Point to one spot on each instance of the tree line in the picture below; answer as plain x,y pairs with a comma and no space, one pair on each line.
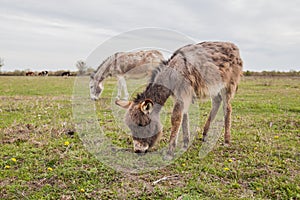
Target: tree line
82,69
272,73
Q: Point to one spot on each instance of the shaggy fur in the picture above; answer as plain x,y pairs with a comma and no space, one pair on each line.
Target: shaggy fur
205,69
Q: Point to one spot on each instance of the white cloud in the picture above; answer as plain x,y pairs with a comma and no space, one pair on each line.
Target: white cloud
55,34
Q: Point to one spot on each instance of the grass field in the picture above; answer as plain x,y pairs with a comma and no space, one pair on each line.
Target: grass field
43,157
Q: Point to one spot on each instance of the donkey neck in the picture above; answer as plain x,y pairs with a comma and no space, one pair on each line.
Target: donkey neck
156,92
106,68
162,85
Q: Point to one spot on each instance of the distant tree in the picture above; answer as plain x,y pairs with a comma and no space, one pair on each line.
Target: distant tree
247,73
1,63
81,66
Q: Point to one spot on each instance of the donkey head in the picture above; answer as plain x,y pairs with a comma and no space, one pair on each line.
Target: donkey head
142,118
96,88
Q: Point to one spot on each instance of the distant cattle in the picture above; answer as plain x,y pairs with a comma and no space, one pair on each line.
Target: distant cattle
43,73
66,74
30,74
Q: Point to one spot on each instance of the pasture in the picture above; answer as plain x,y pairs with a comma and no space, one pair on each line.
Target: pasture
42,156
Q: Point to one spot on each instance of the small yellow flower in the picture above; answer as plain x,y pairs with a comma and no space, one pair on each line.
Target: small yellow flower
50,169
276,137
67,143
6,167
226,169
13,159
183,164
82,190
255,148
230,160
258,189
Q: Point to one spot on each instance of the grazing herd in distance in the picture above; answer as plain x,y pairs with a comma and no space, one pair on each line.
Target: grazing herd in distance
46,73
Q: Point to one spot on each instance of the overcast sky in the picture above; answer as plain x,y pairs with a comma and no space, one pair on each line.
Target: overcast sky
52,35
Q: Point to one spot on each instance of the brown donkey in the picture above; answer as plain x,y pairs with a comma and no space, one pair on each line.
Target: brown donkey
205,69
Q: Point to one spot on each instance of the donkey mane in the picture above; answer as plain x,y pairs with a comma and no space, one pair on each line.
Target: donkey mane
156,71
178,51
103,62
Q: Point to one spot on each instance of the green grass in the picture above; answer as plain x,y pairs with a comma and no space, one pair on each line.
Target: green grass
36,121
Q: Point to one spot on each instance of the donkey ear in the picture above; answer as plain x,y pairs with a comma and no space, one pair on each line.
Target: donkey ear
123,103
146,106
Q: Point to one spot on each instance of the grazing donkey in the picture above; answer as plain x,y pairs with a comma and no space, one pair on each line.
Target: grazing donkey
124,65
208,68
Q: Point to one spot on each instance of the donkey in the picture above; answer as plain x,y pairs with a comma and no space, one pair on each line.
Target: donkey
124,65
199,70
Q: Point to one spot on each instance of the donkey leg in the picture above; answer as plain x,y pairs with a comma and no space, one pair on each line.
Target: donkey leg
176,120
185,130
122,86
216,102
119,88
126,95
227,117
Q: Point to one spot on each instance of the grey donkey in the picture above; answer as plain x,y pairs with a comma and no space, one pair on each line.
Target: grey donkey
197,70
124,65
